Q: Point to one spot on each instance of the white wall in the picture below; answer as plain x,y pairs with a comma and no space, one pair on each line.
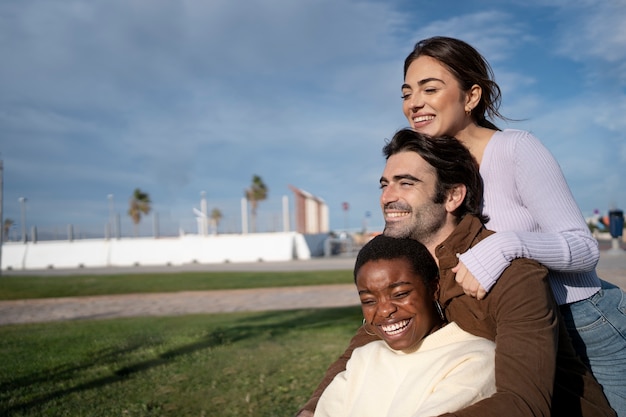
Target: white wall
266,247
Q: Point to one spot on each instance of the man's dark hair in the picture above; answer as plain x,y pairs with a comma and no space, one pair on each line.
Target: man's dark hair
388,248
453,164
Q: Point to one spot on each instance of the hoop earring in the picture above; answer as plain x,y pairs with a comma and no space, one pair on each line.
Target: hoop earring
365,328
439,310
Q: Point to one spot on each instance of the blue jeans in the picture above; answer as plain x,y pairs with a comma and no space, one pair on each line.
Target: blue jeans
597,327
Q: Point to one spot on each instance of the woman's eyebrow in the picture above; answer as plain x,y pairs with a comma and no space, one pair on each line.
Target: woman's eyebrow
427,80
422,82
400,283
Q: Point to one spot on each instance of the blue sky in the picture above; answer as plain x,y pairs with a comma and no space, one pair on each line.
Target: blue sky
100,97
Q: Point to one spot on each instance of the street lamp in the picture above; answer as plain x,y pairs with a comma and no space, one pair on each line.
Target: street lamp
111,215
22,201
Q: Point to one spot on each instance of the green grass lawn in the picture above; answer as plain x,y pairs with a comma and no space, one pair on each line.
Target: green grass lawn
213,365
218,365
24,287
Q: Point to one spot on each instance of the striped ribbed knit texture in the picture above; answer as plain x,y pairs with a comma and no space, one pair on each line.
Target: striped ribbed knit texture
532,208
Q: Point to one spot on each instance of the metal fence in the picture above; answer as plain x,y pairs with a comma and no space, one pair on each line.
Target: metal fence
152,225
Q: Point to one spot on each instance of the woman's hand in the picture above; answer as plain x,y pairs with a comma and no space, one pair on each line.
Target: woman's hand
470,285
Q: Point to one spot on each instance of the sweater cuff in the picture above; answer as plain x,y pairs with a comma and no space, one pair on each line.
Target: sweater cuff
487,277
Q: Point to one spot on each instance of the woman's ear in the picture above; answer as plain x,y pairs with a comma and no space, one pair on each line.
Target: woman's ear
435,289
456,196
472,98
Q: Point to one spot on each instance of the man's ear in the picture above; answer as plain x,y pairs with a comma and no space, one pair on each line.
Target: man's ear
456,196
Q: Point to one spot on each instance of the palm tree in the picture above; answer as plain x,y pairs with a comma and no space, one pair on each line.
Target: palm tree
216,216
257,192
6,226
139,204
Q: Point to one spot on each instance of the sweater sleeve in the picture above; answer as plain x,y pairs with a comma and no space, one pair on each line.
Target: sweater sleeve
332,400
471,380
360,339
563,242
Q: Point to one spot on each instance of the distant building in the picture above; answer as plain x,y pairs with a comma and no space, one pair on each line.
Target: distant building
311,212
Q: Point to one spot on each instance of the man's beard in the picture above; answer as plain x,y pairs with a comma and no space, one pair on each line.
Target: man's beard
424,223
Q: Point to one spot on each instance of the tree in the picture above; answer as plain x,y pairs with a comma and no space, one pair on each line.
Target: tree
257,192
139,204
6,227
216,216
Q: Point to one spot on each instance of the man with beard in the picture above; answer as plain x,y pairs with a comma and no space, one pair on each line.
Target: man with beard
432,192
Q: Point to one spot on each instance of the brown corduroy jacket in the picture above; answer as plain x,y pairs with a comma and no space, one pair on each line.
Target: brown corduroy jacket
537,371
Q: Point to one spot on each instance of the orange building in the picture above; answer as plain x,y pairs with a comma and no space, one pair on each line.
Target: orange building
311,212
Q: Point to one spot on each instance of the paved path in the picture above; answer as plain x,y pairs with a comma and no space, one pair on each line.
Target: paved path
185,302
611,267
177,303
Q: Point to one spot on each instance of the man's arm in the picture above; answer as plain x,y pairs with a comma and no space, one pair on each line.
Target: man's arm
537,370
360,339
521,316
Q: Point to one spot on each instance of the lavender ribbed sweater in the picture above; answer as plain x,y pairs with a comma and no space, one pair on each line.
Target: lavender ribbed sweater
532,208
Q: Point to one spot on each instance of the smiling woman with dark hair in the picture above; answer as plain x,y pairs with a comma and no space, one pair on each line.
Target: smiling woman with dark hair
422,365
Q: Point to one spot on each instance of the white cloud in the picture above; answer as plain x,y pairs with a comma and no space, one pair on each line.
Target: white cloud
495,33
594,30
593,33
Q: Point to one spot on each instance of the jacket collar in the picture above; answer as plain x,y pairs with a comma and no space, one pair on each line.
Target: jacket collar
465,235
